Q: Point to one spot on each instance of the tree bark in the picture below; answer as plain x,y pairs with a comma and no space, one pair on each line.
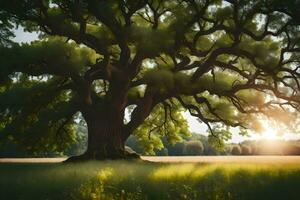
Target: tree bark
106,139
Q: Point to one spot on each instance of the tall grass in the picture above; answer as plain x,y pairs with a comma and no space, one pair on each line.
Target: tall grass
142,180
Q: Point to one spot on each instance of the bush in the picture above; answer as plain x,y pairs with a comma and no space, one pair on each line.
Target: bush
193,147
236,150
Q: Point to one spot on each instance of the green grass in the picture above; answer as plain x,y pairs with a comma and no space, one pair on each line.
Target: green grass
142,180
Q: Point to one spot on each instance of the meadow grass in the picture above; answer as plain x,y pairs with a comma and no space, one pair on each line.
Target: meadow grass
145,180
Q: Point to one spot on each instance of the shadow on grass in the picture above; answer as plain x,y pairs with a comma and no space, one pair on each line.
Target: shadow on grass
140,180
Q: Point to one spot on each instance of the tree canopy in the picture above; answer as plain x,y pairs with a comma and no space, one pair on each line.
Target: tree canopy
230,63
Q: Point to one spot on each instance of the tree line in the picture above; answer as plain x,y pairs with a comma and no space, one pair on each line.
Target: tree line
196,145
199,145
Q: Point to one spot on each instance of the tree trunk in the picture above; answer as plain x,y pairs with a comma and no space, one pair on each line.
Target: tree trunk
106,139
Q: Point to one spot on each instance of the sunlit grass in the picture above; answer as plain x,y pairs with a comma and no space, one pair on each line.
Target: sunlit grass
144,180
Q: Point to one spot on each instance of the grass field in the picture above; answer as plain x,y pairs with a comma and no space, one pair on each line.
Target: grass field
180,159
220,178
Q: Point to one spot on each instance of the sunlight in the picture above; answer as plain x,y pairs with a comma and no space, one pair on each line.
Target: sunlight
269,135
272,130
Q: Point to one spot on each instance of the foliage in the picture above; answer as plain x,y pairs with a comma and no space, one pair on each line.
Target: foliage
6,32
12,149
161,123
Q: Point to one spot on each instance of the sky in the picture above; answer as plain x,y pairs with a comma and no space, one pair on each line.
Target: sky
22,36
194,125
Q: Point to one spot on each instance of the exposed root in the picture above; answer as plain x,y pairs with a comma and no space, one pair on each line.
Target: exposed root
124,155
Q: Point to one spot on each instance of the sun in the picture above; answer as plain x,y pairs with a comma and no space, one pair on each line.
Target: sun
270,131
269,134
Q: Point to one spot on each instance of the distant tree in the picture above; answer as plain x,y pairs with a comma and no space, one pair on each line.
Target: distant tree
162,152
227,150
291,149
10,150
254,148
246,150
236,150
225,61
193,148
176,149
208,148
270,147
133,144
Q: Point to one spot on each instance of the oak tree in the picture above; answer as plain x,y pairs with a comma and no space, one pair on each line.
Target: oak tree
133,66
